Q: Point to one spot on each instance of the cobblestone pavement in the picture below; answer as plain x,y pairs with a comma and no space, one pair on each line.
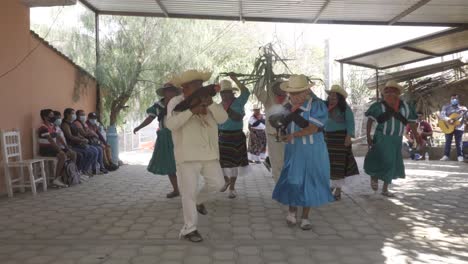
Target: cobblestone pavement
124,217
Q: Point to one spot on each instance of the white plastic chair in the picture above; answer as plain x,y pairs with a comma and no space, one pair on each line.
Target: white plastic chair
51,160
12,158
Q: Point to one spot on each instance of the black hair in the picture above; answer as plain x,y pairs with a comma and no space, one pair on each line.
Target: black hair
454,95
419,113
341,102
57,113
45,113
79,112
67,112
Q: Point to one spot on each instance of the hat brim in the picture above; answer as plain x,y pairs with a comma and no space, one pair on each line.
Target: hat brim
285,87
344,94
190,76
400,88
160,91
234,89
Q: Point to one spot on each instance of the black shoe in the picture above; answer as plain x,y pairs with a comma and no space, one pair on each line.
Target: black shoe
104,170
172,195
194,236
202,209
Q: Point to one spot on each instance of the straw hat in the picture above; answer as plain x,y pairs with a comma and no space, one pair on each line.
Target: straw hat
393,84
296,83
189,76
226,85
337,89
160,91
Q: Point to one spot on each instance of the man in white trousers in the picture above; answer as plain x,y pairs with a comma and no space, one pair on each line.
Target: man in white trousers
270,97
196,151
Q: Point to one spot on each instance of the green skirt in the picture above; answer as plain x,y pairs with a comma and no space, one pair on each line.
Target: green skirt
163,161
384,159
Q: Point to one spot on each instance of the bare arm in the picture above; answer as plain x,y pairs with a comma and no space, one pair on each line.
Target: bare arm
145,122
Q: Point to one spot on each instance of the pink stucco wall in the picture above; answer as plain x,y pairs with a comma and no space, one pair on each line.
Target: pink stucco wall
44,80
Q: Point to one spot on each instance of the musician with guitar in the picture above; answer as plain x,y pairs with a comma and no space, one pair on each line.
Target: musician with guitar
452,124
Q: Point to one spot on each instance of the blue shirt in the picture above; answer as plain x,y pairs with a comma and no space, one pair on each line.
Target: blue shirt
339,121
238,107
449,109
316,112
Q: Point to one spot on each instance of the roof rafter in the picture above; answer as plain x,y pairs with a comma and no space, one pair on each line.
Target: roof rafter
325,5
163,8
408,11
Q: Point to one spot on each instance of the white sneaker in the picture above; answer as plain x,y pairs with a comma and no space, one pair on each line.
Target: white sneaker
445,158
291,219
84,178
460,158
305,224
59,183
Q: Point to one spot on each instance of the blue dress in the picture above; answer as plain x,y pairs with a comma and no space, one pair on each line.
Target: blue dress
305,177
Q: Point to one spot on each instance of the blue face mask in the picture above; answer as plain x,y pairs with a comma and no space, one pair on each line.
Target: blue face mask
454,101
73,117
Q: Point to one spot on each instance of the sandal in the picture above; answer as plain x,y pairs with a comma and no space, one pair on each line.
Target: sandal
226,185
172,194
202,209
232,194
374,184
337,194
193,236
388,194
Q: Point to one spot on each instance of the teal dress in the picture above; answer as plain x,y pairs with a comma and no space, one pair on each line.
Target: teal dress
162,162
384,160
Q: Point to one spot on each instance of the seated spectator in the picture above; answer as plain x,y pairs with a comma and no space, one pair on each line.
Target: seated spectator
63,142
93,125
424,130
49,145
92,137
78,142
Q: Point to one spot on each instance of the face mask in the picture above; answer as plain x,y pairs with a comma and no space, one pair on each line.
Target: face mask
82,118
454,101
73,117
58,121
92,121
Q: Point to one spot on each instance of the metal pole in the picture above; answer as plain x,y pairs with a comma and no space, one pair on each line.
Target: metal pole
341,75
377,83
98,88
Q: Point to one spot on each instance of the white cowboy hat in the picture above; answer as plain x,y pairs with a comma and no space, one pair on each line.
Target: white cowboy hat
337,89
393,84
189,76
160,91
226,85
296,83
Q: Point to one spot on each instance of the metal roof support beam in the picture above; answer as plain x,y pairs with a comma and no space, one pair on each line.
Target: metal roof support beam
89,6
325,5
425,52
408,11
240,11
163,8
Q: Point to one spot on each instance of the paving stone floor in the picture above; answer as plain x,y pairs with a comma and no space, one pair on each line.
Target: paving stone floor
124,217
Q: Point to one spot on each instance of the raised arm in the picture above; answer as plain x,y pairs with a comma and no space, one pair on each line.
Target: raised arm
176,120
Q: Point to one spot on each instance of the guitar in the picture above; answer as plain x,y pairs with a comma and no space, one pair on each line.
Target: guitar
447,127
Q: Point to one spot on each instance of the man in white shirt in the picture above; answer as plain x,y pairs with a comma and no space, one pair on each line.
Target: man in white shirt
196,150
271,97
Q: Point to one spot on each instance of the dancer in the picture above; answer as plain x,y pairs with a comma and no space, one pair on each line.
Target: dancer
195,133
272,97
384,160
162,162
232,140
304,180
339,130
257,136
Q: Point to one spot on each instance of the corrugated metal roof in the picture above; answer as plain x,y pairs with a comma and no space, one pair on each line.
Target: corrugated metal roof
434,45
377,12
